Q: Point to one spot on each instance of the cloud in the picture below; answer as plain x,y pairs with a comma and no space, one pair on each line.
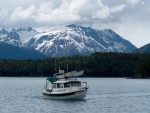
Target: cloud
3,14
65,11
135,31
134,2
75,11
20,13
119,15
106,11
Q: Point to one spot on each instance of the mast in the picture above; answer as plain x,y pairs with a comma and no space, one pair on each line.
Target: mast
67,67
55,65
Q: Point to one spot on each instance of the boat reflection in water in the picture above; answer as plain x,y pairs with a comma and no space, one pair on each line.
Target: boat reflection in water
65,86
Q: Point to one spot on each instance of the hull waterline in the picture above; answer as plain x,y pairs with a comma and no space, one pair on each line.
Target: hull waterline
72,95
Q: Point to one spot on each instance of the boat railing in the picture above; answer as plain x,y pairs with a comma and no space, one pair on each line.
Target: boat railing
85,86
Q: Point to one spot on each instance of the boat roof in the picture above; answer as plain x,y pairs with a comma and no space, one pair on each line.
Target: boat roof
67,77
65,81
52,79
68,74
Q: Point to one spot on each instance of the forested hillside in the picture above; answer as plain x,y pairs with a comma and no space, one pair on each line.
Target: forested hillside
96,65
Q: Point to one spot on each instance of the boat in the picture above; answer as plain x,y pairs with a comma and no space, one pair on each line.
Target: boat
65,86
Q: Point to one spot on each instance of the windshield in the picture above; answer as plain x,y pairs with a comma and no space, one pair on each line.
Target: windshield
67,85
57,85
60,86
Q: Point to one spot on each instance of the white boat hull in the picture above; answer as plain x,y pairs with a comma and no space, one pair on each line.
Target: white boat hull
70,95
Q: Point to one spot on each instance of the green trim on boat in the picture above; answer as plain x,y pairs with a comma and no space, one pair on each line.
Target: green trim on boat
52,79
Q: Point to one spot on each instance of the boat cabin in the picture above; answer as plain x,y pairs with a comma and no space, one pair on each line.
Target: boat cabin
66,84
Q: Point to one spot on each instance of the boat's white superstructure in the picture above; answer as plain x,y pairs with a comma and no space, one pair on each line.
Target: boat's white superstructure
65,86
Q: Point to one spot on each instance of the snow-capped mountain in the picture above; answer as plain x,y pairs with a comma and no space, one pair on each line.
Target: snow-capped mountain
16,36
77,40
67,40
26,33
11,44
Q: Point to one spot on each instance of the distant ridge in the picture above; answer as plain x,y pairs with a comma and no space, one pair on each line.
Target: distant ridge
143,49
8,51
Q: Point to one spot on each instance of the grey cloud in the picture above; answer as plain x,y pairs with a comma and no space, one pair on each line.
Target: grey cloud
119,15
64,11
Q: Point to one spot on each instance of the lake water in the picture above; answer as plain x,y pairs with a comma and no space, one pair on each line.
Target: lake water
105,95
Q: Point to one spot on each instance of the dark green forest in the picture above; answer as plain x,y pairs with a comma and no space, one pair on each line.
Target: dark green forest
132,65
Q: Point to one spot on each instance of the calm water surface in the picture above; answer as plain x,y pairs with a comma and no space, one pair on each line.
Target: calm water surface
105,95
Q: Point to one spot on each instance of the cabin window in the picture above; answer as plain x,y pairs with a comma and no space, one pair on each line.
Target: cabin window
58,85
53,85
78,84
61,85
73,84
66,85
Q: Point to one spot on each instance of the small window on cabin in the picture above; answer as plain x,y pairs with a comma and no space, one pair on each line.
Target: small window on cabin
79,84
61,85
53,85
66,85
73,84
58,85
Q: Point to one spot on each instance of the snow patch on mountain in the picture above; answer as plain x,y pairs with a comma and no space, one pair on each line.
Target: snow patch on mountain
16,36
26,33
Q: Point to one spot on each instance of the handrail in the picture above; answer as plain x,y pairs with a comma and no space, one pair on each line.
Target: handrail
85,83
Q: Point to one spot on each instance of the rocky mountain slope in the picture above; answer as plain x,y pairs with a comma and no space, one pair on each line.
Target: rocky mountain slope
78,40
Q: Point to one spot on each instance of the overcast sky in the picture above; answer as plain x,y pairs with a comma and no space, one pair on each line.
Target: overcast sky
129,18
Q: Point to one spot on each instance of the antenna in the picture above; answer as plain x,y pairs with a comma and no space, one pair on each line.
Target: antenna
67,67
55,65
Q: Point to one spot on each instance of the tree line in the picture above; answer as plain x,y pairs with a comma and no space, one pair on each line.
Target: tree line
96,65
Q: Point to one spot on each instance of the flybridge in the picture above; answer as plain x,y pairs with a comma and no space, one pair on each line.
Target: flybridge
62,75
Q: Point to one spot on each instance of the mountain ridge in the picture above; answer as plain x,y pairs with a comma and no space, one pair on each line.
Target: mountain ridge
143,49
18,53
67,40
81,40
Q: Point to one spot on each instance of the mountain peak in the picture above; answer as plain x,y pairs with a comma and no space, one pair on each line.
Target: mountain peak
13,35
25,29
29,28
16,36
71,25
3,31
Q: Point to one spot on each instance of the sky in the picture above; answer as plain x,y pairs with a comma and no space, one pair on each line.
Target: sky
129,18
